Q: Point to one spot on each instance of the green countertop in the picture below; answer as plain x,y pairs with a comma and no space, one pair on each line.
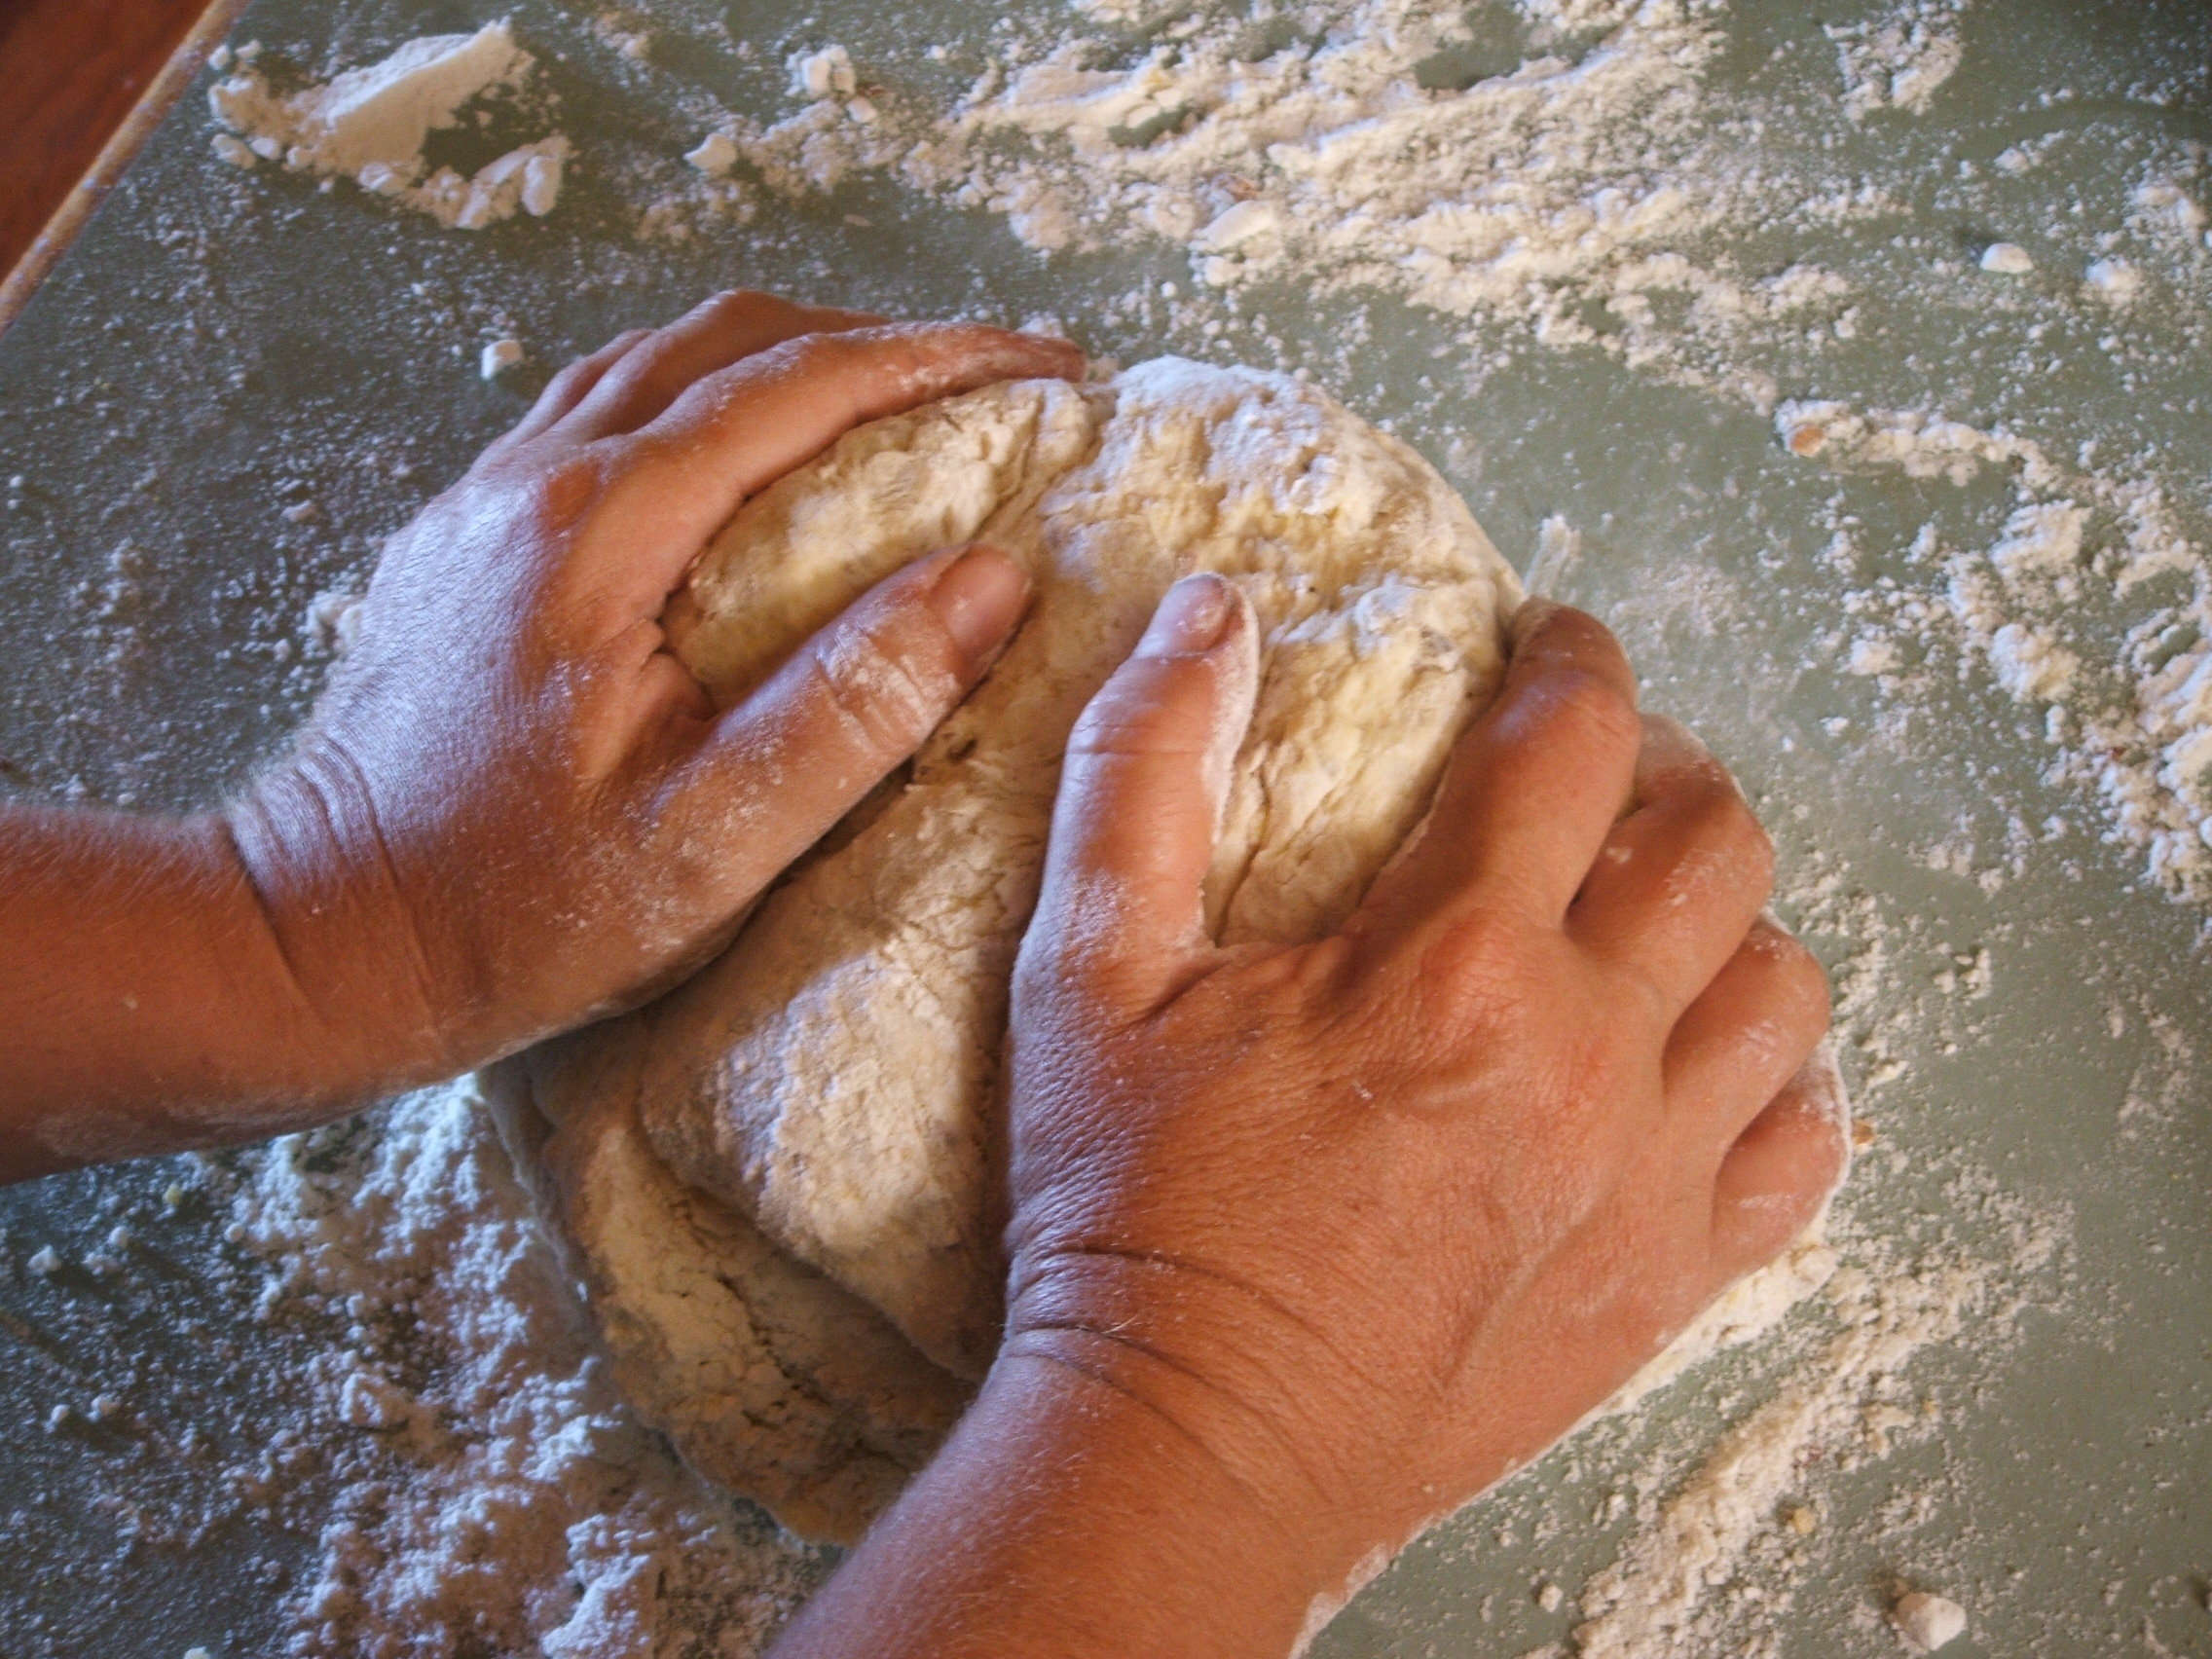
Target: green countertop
220,348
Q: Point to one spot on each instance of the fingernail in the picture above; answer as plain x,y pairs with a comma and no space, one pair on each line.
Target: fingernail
978,598
1669,742
1192,619
1535,611
1059,345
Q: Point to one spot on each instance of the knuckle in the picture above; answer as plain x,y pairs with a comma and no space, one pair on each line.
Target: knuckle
884,690
1136,710
623,381
1069,967
556,495
1477,974
812,354
1722,819
563,384
736,308
610,352
1801,985
1825,1165
1595,709
1040,983
750,300
1782,1213
716,311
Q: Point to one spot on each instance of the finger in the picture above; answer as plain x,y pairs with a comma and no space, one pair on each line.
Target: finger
1141,797
563,392
573,384
1679,879
1782,1170
778,770
1745,1037
1533,787
724,330
744,427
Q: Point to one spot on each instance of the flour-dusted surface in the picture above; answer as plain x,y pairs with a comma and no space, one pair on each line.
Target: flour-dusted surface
2022,1011
485,1489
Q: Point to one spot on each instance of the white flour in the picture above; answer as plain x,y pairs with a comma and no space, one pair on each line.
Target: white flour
2135,727
485,1492
369,126
1744,1516
1899,59
1326,162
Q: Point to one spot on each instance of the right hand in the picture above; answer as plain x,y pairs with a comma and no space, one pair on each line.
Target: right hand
1373,1221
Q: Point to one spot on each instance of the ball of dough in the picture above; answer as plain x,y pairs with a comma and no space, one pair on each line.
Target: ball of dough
833,1076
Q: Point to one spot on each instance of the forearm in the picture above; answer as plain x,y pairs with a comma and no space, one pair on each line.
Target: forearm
150,998
1065,1518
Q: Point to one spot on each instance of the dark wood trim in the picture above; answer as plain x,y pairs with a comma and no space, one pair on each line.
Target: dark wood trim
161,94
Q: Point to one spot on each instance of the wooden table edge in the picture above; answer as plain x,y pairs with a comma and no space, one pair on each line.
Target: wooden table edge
161,95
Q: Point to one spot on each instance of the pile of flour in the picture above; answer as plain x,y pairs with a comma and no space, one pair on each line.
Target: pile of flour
484,1490
369,126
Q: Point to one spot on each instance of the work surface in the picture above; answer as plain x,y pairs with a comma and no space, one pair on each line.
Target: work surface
1686,335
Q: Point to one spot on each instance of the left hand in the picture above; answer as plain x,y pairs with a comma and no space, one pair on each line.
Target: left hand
515,810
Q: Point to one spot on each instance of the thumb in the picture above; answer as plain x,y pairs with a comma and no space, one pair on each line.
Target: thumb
1141,797
855,701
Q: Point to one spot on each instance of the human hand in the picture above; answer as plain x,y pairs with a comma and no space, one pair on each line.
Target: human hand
514,809
1370,1223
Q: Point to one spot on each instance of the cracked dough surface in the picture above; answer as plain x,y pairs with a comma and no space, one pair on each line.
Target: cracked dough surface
781,1182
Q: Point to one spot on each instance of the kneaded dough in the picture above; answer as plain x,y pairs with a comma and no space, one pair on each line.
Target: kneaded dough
771,1379
833,1076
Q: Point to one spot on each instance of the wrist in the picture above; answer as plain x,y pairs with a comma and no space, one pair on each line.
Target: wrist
312,856
1245,1386
1068,1515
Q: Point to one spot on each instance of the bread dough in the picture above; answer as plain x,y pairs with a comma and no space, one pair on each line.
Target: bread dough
832,1077
771,1380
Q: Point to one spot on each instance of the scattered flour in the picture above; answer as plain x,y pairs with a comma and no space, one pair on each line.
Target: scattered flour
715,155
1898,59
2136,728
1666,1594
481,1488
1577,191
369,125
2114,280
1330,162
